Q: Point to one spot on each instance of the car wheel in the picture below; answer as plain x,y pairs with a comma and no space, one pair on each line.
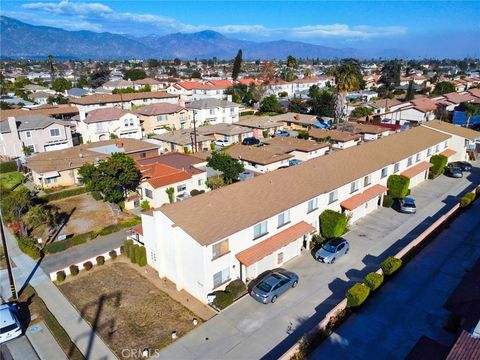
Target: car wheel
332,261
295,283
274,298
346,251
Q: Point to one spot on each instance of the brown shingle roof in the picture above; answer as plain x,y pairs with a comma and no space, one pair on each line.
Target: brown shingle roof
452,129
335,135
48,111
203,218
159,109
114,98
263,155
259,122
291,144
105,114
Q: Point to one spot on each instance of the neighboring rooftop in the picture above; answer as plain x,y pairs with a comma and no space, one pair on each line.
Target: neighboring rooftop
334,135
290,144
158,109
158,174
104,114
259,122
175,160
452,129
182,137
50,110
116,98
223,129
33,122
302,119
262,155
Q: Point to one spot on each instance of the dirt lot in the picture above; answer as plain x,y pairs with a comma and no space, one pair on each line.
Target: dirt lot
129,311
88,214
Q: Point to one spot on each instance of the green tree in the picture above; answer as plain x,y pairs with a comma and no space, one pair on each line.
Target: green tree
170,193
390,75
134,74
38,215
196,74
270,104
61,84
361,111
443,87
237,65
307,73
297,105
321,102
410,91
471,110
230,167
398,186
214,182
291,62
347,78
112,177
16,204
98,78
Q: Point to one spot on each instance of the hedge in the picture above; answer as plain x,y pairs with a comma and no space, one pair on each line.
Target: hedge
373,280
236,288
246,113
467,199
196,192
387,201
96,195
398,186
439,162
88,265
113,254
63,194
357,294
141,255
134,254
100,260
127,245
6,167
62,245
61,276
74,270
29,247
332,224
222,299
390,265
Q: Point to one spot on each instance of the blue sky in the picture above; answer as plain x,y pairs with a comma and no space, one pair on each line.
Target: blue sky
428,28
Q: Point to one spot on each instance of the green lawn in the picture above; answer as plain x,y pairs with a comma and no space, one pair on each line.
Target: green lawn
11,179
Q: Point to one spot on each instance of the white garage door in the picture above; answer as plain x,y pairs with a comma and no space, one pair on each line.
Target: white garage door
56,146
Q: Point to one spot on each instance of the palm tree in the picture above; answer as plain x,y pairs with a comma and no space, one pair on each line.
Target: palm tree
347,79
471,110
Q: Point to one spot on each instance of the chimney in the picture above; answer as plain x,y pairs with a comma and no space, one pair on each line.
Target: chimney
119,143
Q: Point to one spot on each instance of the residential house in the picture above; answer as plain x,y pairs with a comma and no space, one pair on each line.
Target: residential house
60,167
261,159
158,118
103,124
300,149
38,133
262,126
232,133
38,88
213,111
203,247
184,140
39,97
76,92
117,84
62,112
196,90
154,84
369,132
296,121
338,139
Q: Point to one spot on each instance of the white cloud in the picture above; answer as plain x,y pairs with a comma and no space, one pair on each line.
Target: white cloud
66,7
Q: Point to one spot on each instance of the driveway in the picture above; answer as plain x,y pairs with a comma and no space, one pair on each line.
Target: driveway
250,330
411,304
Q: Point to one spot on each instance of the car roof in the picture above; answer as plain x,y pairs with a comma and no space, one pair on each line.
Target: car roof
409,200
6,316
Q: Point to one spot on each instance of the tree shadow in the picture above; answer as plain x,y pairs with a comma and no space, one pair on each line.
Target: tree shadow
24,313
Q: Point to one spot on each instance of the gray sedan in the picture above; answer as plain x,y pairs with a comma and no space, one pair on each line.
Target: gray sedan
274,285
332,250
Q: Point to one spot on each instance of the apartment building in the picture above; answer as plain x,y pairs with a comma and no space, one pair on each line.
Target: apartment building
213,111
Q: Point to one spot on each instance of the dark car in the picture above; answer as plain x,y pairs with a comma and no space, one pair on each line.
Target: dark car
332,250
250,141
464,165
453,171
273,285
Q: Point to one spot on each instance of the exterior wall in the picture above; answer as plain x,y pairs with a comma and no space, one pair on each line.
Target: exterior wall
345,144
416,116
143,154
264,168
172,147
219,94
304,156
127,105
175,121
93,132
214,116
65,178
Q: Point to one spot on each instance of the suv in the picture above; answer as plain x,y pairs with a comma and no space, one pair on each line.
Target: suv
453,171
465,166
250,141
10,327
408,206
332,250
221,143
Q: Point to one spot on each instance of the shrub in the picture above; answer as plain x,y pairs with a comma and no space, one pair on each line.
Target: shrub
61,276
127,246
74,270
390,265
398,186
387,201
100,260
30,248
246,113
332,224
373,280
141,256
134,253
196,192
265,134
122,249
467,199
439,162
88,265
236,288
303,134
64,194
6,167
357,294
222,299
55,247
112,254
130,222
96,195
145,205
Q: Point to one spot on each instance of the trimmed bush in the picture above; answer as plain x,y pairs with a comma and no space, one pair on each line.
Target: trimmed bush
398,186
467,199
134,253
64,194
373,280
55,247
127,246
29,247
74,270
6,167
387,201
96,195
100,260
357,294
131,222
236,288
222,299
332,224
439,162
145,205
390,265
196,192
142,261
88,265
112,254
61,276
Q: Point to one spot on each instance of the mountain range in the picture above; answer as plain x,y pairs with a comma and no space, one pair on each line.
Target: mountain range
22,40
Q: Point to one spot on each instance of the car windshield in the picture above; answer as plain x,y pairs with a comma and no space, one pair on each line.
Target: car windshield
8,328
329,247
409,205
264,286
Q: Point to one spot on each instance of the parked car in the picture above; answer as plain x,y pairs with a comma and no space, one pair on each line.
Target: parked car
10,327
274,285
282,133
250,141
245,175
407,205
221,143
294,162
464,165
453,171
332,250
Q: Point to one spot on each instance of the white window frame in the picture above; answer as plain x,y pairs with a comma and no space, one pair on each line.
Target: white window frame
57,129
410,161
28,134
224,276
367,180
181,187
283,218
332,197
418,157
260,229
312,205
384,170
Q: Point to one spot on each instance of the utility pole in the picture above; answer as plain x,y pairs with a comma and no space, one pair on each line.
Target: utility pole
195,149
7,258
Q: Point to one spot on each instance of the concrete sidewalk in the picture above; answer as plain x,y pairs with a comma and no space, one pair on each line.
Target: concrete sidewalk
44,343
28,272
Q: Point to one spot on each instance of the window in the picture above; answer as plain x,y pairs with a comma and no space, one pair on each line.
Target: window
332,197
367,180
143,155
353,186
181,187
437,148
148,193
54,132
200,182
284,218
102,126
221,277
445,144
260,229
418,158
212,111
164,117
313,205
280,258
28,134
51,180
429,151
384,172
220,249
410,161
31,148
396,168
232,111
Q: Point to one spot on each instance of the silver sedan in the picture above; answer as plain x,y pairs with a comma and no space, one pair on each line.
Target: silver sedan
274,285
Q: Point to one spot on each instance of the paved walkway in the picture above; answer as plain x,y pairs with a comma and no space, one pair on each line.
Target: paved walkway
411,304
28,271
18,349
44,343
99,245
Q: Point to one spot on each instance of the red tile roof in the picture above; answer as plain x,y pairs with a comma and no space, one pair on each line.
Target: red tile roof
417,169
138,229
466,347
359,199
258,251
221,83
448,152
159,175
